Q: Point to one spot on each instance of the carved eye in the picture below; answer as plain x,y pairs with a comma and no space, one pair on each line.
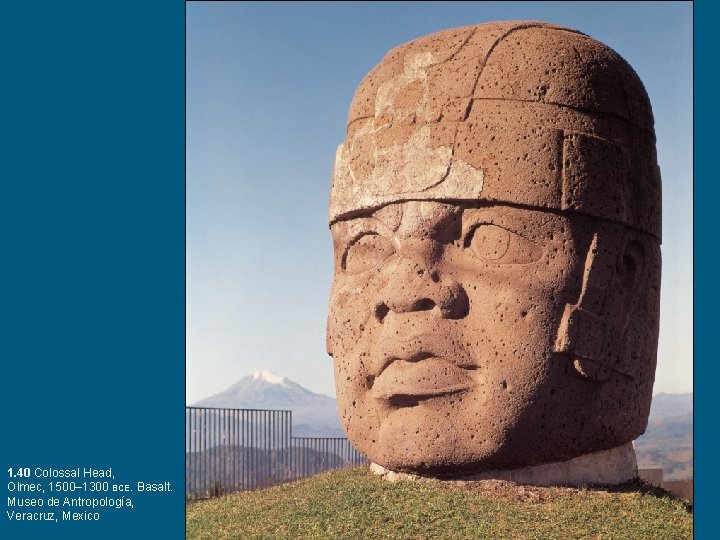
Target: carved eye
367,252
496,244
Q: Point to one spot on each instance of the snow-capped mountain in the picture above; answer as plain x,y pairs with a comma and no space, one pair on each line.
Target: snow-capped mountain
314,415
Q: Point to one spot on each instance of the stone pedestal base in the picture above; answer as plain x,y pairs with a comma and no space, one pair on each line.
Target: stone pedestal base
608,467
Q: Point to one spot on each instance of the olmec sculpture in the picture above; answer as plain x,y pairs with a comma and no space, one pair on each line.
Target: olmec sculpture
495,213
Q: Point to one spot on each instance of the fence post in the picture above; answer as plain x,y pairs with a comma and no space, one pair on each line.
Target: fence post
228,450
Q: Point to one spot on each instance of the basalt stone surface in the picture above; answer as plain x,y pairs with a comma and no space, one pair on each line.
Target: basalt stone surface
495,213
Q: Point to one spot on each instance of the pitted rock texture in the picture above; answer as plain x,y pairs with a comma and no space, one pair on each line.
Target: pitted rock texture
495,213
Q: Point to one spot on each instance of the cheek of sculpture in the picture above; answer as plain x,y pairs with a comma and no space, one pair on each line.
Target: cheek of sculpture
484,307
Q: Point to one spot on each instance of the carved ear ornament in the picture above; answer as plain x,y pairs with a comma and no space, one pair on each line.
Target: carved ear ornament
592,332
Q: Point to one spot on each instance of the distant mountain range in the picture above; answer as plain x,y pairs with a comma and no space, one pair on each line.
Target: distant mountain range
314,415
668,440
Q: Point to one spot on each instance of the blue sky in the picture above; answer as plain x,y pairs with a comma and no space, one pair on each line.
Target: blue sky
268,89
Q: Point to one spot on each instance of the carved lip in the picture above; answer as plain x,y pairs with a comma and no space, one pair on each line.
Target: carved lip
420,379
419,347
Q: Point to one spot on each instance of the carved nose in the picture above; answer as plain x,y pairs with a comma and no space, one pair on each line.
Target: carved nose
412,288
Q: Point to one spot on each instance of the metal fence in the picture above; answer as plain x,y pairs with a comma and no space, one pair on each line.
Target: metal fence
312,455
229,450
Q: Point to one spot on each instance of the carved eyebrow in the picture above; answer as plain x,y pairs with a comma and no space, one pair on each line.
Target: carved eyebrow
523,223
472,226
389,242
390,215
366,225
473,223
512,248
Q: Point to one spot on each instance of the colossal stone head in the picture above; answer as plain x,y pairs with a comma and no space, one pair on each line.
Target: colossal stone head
495,213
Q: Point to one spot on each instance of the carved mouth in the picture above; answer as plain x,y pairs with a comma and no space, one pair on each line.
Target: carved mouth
404,383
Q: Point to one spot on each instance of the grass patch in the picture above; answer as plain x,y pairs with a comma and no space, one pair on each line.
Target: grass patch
354,504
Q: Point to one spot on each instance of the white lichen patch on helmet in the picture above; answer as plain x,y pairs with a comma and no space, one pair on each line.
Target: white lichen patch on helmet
373,169
404,171
406,94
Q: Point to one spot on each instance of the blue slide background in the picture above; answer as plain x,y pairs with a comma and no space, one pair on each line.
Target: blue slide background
706,297
93,247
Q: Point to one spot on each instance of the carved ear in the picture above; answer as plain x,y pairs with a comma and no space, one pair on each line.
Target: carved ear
630,268
592,331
